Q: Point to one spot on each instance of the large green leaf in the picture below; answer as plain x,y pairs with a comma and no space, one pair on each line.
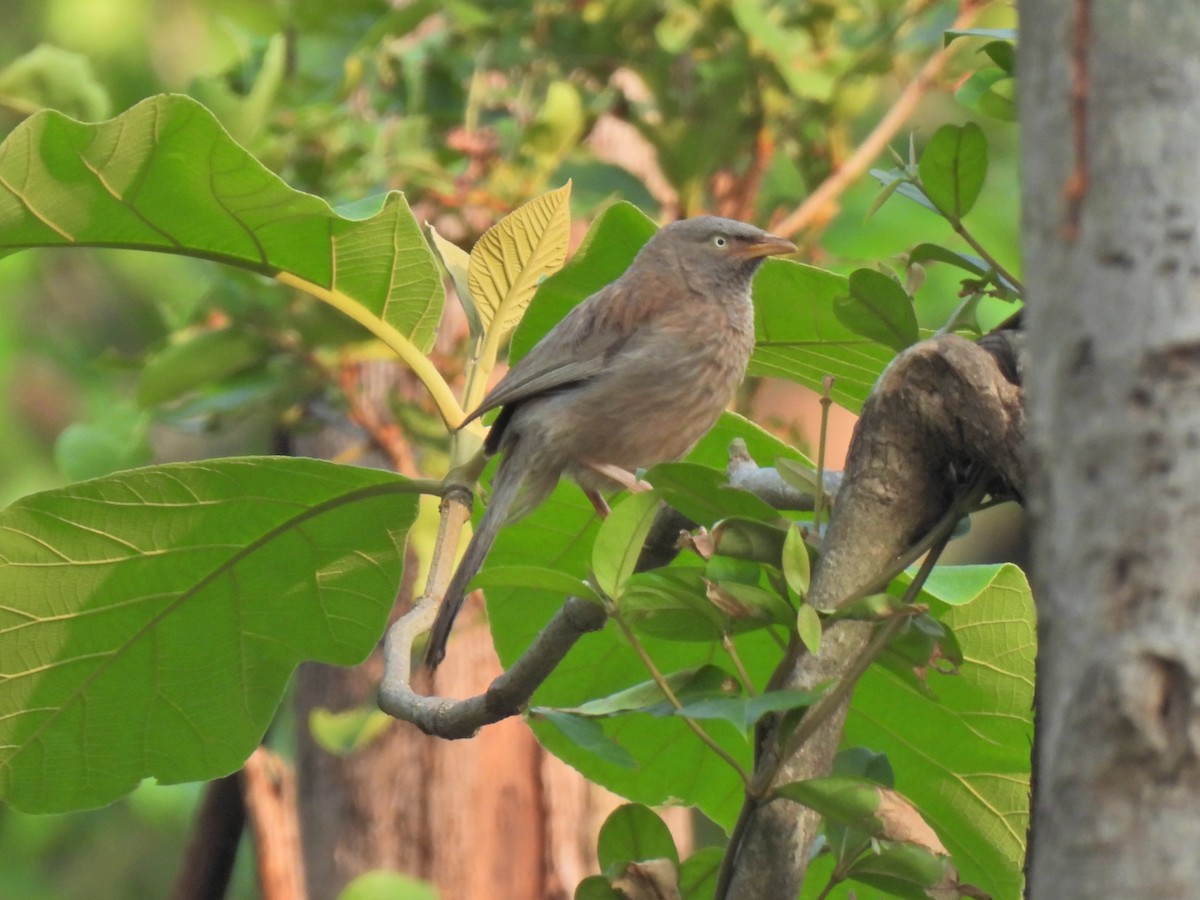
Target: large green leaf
964,759
149,620
165,176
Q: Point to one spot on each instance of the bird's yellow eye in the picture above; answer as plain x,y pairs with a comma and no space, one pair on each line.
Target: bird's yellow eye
719,241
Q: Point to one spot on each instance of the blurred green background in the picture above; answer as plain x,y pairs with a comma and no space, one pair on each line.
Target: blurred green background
738,107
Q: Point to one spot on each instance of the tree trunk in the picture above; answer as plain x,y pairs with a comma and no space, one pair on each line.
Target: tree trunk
1110,106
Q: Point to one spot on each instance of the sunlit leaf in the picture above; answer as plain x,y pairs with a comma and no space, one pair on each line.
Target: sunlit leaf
456,260
165,176
515,254
964,760
799,336
49,77
808,626
557,127
343,732
619,542
150,620
797,567
386,885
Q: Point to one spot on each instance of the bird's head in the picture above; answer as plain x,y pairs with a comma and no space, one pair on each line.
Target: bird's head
714,253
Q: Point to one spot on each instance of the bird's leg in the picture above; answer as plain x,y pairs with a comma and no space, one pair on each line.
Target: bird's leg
623,477
598,503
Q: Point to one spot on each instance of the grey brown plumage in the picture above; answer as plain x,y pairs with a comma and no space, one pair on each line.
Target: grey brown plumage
634,375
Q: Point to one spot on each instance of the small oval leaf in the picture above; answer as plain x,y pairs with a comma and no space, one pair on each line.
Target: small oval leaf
633,832
953,168
797,567
619,542
808,626
878,308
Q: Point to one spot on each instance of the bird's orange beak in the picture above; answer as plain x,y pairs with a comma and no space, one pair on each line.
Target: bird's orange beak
768,246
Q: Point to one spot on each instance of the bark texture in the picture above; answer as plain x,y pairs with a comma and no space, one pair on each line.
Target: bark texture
942,403
1110,107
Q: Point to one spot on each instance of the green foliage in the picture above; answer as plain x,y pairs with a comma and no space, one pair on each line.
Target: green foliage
961,753
383,885
151,619
879,308
953,168
165,176
632,833
160,611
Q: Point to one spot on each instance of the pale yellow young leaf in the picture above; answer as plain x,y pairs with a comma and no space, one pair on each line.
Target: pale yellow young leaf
514,255
457,260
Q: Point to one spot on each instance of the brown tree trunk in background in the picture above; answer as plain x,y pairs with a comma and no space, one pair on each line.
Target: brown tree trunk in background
269,789
493,817
1110,106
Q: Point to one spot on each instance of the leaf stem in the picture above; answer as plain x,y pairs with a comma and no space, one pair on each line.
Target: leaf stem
961,230
451,413
822,437
663,686
731,649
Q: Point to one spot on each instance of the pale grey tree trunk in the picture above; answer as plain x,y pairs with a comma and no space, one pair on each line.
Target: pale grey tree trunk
1110,109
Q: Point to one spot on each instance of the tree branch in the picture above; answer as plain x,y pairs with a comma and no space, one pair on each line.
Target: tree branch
941,403
815,209
506,696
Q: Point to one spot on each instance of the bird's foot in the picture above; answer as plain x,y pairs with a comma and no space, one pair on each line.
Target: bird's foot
623,477
598,503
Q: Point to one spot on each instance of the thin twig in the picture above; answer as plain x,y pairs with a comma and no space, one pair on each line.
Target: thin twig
731,649
822,438
813,210
961,230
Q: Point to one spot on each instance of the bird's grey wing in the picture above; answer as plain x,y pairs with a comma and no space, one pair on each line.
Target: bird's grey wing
576,349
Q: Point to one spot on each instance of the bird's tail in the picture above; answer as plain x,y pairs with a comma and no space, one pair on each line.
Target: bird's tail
505,487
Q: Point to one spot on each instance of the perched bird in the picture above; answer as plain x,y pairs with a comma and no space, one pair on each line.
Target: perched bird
634,375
